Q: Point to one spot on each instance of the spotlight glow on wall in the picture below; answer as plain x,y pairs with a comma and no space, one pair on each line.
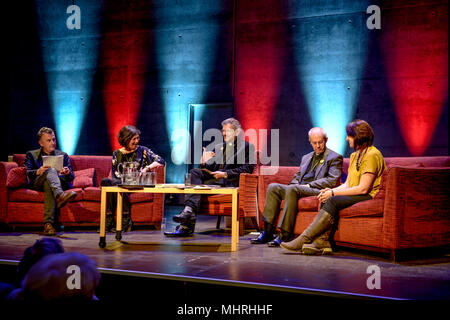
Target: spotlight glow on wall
70,59
331,57
124,58
185,54
260,53
418,71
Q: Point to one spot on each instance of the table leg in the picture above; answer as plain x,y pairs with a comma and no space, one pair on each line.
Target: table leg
119,216
102,242
234,221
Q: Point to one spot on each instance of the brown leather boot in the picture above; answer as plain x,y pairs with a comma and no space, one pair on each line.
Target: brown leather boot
322,222
321,245
49,230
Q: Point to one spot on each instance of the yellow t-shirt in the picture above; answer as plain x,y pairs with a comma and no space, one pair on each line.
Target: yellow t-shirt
372,162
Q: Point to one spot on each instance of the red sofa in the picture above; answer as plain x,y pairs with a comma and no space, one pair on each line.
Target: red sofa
22,206
411,210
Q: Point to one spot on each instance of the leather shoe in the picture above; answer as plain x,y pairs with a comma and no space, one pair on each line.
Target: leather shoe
179,232
187,215
65,197
264,237
49,230
274,243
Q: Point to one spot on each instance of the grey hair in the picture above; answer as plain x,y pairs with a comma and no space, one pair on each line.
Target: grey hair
44,130
235,123
321,130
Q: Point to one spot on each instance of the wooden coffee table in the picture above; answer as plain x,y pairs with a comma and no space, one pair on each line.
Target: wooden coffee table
165,188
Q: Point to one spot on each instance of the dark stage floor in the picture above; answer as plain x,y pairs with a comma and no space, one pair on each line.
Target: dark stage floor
205,260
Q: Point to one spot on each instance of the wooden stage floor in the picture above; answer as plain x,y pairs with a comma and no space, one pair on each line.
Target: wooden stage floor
205,259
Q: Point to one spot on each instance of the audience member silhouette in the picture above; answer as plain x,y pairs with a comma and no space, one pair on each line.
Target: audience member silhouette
60,278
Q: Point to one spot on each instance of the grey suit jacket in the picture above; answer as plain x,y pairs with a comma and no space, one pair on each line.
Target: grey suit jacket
33,161
327,172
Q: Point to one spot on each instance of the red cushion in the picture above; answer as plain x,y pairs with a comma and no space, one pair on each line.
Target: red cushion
26,195
17,177
141,197
308,203
368,208
84,178
92,193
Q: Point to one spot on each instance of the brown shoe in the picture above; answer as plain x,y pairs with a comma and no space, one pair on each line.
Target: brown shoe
65,197
49,230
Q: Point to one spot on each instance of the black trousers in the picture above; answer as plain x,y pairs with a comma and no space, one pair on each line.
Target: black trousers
111,197
290,194
53,185
193,200
334,204
199,177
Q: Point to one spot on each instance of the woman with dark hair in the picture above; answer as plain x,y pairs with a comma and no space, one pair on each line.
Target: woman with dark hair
363,181
131,151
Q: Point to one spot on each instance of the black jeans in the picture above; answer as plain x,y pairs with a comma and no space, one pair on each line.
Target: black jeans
334,204
290,194
52,185
111,197
193,200
199,177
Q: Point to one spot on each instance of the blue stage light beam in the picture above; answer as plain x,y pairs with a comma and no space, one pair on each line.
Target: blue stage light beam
331,49
186,37
69,49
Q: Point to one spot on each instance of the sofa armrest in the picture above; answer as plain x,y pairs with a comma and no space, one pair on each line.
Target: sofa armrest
5,167
248,184
416,212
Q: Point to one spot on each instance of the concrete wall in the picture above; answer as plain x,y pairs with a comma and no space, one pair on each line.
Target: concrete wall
153,58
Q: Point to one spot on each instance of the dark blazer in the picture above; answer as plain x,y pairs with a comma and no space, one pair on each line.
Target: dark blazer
242,160
33,161
327,172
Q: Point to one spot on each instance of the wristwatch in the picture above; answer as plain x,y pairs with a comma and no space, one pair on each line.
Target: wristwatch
226,175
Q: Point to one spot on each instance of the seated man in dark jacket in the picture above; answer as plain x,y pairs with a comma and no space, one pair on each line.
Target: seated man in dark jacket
223,167
318,170
50,180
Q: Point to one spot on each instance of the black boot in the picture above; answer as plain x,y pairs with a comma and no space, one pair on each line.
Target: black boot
126,223
322,222
265,236
110,222
283,236
185,216
182,230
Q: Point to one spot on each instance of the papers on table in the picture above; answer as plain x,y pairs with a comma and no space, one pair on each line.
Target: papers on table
182,186
171,185
53,161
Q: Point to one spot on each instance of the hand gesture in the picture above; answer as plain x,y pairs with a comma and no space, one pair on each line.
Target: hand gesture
42,169
218,174
64,171
206,155
324,195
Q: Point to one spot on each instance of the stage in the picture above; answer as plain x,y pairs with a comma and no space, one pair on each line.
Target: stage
148,267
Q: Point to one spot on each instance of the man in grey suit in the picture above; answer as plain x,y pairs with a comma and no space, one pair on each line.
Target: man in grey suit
318,170
49,180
